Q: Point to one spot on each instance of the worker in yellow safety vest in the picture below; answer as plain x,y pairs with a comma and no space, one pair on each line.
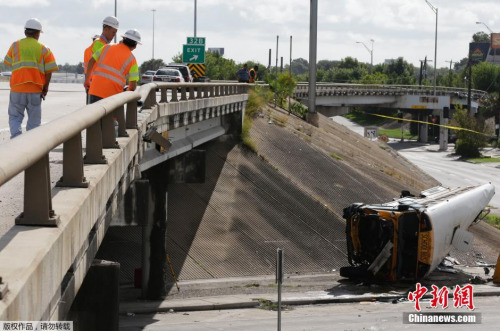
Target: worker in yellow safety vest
112,66
110,26
32,66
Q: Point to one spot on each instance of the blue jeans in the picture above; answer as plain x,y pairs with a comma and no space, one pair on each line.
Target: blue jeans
18,102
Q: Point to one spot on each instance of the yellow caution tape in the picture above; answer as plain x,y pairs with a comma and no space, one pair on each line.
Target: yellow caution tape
429,123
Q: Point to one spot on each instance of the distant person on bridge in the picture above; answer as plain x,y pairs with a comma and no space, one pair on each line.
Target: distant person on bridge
111,66
254,72
32,67
243,75
110,26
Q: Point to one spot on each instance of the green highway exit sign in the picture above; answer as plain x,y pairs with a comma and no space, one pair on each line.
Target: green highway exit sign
193,53
195,41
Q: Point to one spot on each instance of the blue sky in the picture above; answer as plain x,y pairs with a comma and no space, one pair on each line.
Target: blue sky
247,29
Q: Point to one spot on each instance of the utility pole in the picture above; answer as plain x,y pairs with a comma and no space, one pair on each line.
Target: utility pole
116,15
435,10
277,40
154,10
449,73
195,18
269,66
312,116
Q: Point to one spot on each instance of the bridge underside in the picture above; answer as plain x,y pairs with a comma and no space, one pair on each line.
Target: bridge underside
232,224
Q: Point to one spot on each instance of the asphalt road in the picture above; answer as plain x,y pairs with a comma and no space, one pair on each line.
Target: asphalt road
62,99
443,166
346,316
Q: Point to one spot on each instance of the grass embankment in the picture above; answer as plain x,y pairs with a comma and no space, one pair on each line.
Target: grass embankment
257,98
493,220
367,119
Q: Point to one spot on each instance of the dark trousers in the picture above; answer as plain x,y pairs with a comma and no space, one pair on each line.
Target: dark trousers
94,98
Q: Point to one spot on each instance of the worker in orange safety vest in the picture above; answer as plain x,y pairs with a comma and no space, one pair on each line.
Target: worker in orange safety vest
112,66
253,74
32,66
110,26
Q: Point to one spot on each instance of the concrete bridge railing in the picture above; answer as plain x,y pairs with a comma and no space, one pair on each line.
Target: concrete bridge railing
43,266
333,89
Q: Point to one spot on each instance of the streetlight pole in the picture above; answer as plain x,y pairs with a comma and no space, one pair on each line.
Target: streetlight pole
491,32
115,16
154,10
195,18
487,27
369,51
435,10
312,116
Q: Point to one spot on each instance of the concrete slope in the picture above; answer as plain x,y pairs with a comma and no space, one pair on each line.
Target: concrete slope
289,195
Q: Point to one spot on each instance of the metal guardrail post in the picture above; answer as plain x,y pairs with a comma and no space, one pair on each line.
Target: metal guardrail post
131,119
108,132
93,147
73,175
120,117
37,196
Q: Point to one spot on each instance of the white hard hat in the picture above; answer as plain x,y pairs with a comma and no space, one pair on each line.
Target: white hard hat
133,34
34,24
111,21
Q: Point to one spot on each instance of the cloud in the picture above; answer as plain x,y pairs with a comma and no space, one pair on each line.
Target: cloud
24,3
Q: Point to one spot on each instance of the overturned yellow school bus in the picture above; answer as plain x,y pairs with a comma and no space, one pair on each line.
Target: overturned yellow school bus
406,239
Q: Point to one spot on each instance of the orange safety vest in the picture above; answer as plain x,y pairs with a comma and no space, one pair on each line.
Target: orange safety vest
30,61
254,77
114,63
94,47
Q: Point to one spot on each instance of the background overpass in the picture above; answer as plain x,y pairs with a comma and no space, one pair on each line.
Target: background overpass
420,101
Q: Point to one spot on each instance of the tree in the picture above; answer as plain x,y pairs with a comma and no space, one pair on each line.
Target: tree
400,72
300,66
79,68
283,87
219,68
153,64
481,37
472,139
484,77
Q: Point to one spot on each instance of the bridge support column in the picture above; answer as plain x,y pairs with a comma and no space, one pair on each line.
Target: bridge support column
152,214
424,133
96,306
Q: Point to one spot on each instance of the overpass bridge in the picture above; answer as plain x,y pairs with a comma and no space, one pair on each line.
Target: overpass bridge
105,147
336,98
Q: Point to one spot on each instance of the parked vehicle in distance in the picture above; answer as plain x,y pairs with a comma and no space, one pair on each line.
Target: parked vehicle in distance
184,69
147,77
168,75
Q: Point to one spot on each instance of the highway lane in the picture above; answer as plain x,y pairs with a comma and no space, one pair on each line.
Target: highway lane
62,99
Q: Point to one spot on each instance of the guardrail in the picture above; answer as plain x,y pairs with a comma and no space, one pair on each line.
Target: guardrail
376,89
29,152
